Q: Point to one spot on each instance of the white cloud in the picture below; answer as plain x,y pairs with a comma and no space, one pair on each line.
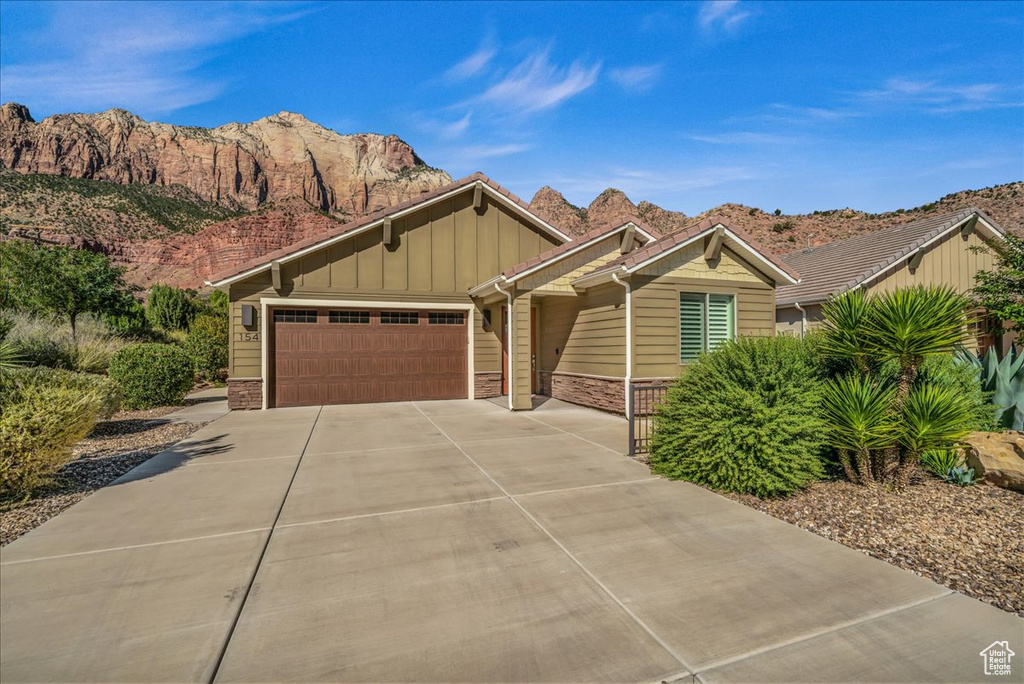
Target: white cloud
143,61
725,14
643,183
743,138
473,65
636,79
937,97
535,84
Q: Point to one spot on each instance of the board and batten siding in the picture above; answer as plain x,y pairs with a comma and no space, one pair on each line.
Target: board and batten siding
656,304
585,334
951,261
437,254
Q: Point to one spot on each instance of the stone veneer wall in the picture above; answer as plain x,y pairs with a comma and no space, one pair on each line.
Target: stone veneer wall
486,385
606,394
245,393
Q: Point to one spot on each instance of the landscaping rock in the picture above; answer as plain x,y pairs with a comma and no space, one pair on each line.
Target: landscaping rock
998,458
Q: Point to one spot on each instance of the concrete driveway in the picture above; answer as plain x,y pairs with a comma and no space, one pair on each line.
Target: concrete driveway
456,542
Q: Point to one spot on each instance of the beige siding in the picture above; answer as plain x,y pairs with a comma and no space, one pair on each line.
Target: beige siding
588,332
520,348
558,276
952,261
656,304
437,254
789,321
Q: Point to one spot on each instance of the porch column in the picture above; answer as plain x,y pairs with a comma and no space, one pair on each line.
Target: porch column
520,386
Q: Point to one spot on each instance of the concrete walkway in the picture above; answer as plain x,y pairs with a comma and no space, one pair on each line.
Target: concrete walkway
456,542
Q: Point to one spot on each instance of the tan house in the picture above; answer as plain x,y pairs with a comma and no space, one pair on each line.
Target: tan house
465,293
939,250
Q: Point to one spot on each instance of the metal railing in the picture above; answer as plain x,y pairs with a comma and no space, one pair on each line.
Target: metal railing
643,400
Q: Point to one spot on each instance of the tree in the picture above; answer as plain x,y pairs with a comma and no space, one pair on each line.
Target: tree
884,414
170,308
60,281
1001,291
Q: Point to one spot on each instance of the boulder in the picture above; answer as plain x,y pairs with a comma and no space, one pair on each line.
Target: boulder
997,458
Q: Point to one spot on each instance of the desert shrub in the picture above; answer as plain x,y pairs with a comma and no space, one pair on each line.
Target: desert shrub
744,418
50,342
216,304
207,344
151,375
129,323
170,308
43,414
106,389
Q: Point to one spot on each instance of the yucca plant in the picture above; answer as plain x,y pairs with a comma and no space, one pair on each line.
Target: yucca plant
932,417
858,411
883,428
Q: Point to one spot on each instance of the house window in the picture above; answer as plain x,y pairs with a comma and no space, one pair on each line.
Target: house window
981,327
705,322
295,315
446,318
399,317
348,317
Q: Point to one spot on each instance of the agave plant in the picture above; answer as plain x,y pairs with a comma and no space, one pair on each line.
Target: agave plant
1004,380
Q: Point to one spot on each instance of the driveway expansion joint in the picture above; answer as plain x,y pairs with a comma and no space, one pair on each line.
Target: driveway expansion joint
573,434
586,571
820,632
259,560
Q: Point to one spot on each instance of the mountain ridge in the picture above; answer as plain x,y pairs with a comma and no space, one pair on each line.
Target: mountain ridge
155,197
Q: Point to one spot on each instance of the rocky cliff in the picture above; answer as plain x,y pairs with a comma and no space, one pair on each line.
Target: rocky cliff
780,232
238,166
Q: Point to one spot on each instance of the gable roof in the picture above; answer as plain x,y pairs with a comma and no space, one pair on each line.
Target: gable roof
563,251
669,244
371,221
836,267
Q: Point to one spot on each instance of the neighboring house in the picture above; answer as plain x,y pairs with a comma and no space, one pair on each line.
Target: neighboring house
465,293
939,250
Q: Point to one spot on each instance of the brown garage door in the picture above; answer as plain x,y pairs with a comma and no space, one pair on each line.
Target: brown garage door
354,356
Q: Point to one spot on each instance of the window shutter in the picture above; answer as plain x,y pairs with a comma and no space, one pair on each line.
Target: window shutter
721,319
691,326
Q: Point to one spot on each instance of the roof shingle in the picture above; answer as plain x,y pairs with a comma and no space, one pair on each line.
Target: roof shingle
836,267
677,237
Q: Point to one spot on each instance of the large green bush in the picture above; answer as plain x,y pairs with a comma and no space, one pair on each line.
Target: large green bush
152,375
170,308
207,344
43,414
744,418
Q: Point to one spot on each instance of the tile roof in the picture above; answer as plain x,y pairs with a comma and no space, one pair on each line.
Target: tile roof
578,241
371,218
684,234
836,267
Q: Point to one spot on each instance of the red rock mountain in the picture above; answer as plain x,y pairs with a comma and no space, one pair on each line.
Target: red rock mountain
780,232
240,166
175,203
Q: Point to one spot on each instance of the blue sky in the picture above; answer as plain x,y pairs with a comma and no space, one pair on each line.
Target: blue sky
800,106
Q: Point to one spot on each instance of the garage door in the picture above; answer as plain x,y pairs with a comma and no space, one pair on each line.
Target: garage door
354,356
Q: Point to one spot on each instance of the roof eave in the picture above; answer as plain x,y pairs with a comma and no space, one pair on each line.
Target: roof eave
376,223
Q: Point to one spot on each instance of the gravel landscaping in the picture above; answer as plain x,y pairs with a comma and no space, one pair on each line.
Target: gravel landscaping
970,539
112,449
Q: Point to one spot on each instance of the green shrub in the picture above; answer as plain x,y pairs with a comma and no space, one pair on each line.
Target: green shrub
170,308
131,322
744,418
152,375
207,344
106,389
43,414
